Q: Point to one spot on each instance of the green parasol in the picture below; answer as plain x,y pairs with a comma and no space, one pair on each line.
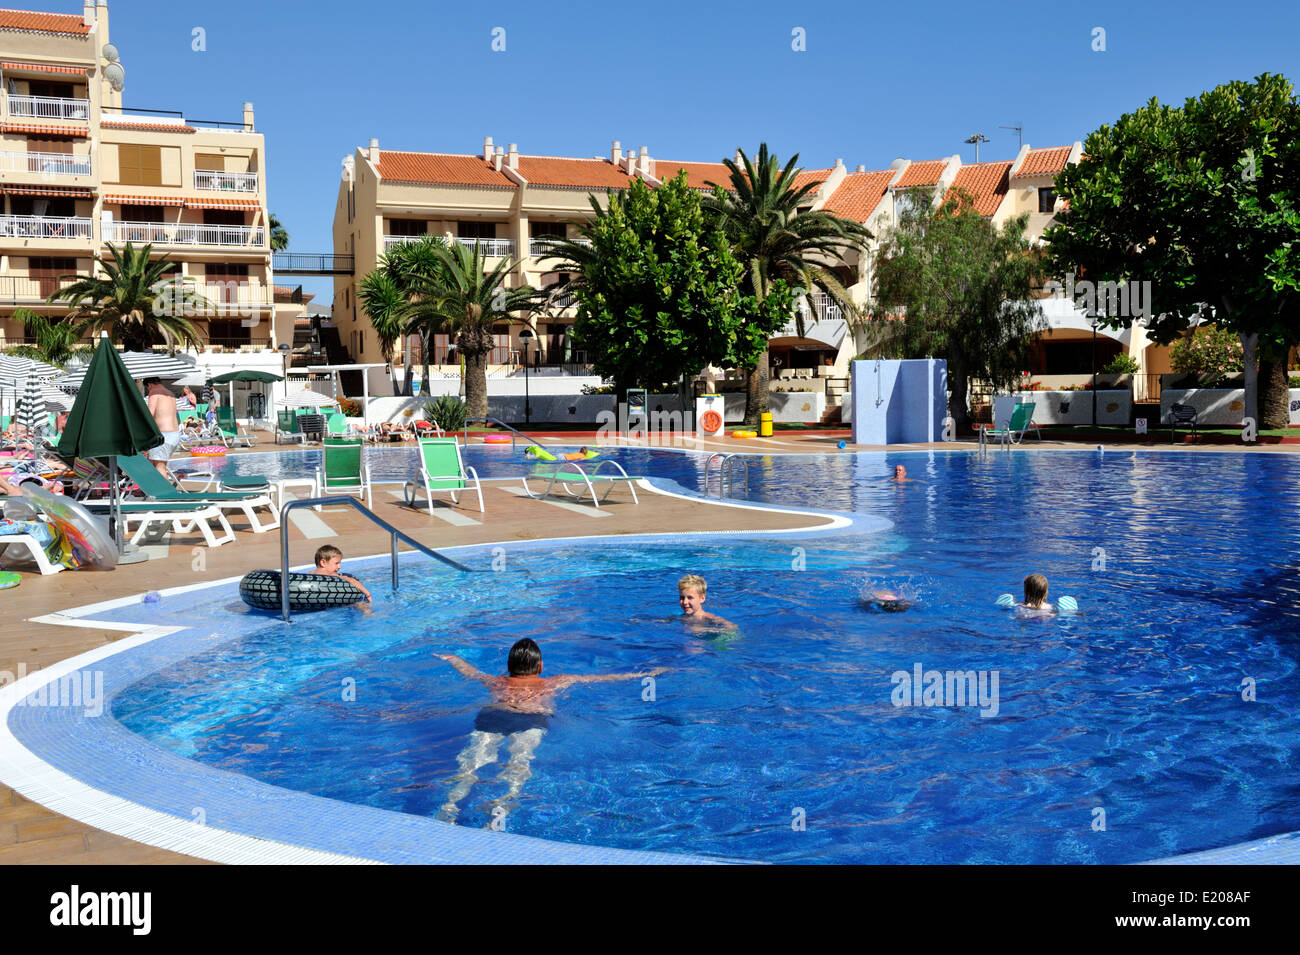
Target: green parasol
109,418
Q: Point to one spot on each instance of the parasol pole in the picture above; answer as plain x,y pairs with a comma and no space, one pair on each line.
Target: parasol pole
115,509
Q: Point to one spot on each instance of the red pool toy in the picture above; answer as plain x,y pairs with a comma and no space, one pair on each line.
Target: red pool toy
208,451
496,439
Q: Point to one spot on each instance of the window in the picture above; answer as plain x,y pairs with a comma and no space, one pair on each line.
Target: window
223,281
408,227
223,217
476,230
48,88
547,230
46,271
142,213
58,208
1047,200
210,162
139,165
50,144
501,345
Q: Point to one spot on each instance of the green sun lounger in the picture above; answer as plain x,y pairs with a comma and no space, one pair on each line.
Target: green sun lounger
1022,417
157,488
580,483
441,472
344,469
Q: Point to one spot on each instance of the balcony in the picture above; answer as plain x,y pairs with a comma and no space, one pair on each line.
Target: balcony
542,245
46,227
49,107
18,289
492,248
225,181
184,233
45,164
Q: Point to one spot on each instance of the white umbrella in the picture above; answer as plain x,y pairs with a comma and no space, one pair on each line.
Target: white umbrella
307,399
11,366
139,365
51,394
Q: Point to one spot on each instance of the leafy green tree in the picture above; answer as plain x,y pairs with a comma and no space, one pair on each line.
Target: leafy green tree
138,302
1203,202
960,289
279,234
658,291
759,210
56,341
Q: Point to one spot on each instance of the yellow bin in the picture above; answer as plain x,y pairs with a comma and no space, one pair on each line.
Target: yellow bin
765,425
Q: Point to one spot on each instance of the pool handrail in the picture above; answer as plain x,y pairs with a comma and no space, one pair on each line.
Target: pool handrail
725,478
514,432
367,512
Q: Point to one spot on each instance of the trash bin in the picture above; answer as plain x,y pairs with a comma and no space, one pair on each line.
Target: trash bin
765,425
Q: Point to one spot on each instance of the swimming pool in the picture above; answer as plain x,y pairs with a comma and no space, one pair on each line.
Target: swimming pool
785,743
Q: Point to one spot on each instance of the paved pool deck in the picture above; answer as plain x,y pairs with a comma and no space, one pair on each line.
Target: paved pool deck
30,833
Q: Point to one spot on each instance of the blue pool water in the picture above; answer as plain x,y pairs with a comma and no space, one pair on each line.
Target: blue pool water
1187,570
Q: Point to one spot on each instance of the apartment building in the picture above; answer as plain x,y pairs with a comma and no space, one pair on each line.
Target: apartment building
509,203
80,170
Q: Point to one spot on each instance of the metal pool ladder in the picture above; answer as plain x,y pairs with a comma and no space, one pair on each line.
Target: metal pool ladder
375,518
725,477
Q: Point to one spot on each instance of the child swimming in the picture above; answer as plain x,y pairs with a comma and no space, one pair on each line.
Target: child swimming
691,594
1035,596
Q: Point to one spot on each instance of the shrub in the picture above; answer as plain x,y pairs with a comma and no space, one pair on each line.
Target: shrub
1122,364
350,407
448,411
1213,353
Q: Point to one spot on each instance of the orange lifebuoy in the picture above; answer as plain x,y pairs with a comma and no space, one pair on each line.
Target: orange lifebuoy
710,421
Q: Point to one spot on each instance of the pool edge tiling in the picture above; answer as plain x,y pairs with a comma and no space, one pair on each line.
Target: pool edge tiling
91,768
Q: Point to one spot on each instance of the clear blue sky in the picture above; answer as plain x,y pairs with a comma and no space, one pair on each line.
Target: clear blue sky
691,80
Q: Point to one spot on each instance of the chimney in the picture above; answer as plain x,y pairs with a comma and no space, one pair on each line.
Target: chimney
643,164
861,168
616,153
88,13
512,156
839,164
248,116
487,149
498,158
374,152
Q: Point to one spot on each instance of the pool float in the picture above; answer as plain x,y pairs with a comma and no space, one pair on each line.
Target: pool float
544,455
261,589
208,451
9,579
496,439
89,539
744,434
1065,604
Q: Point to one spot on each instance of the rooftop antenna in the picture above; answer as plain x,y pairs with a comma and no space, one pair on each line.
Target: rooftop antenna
1020,131
977,138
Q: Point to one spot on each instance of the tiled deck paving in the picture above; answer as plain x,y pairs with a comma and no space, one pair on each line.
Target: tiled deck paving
32,834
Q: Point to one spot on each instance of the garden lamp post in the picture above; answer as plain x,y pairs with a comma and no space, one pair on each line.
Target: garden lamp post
526,339
1094,320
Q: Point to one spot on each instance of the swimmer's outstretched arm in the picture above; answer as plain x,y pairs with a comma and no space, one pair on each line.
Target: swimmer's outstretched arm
464,668
569,679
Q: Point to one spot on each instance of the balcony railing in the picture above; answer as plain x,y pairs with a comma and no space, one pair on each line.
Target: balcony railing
225,181
543,244
184,233
238,344
26,288
47,164
49,107
492,248
821,307
46,227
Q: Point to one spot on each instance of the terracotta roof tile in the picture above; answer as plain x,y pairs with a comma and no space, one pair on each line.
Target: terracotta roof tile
443,168
159,127
925,173
858,195
814,176
986,182
42,22
698,174
580,173
1044,162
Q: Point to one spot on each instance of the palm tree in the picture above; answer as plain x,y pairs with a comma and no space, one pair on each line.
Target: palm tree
136,301
468,301
400,296
279,234
56,341
759,212
388,304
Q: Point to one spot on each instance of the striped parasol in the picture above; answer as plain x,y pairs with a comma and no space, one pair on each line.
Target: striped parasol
139,365
307,399
52,395
11,366
31,408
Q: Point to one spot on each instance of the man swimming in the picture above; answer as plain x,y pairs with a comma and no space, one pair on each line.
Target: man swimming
523,704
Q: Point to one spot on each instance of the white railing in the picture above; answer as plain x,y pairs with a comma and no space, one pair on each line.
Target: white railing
47,164
225,181
46,227
184,233
543,244
821,307
491,248
48,107
234,294
24,288
394,240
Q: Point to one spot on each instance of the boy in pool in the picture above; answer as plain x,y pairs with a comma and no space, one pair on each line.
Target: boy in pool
1036,595
328,560
523,704
691,594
